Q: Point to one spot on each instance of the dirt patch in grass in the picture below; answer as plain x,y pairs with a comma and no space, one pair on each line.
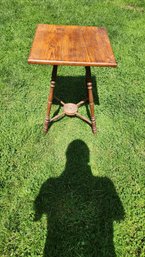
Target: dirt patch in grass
133,8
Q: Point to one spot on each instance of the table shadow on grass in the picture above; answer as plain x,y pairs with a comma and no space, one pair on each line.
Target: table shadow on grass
71,89
80,209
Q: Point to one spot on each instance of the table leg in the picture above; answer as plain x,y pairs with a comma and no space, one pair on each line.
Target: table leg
50,98
91,98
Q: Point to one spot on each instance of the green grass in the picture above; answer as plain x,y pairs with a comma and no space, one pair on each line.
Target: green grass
89,188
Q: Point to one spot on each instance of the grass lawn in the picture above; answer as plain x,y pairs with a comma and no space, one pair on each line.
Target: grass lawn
71,193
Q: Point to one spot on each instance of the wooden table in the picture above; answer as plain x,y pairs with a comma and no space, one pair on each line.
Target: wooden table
71,45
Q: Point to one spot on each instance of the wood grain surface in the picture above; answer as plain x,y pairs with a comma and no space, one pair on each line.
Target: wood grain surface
71,45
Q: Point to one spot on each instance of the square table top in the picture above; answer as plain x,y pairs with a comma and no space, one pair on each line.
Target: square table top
71,45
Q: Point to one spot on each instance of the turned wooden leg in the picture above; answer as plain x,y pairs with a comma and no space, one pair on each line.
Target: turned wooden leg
91,98
50,98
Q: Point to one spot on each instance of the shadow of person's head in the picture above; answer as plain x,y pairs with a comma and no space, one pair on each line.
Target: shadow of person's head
78,153
77,171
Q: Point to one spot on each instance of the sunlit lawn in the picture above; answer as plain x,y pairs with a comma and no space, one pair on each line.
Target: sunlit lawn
90,188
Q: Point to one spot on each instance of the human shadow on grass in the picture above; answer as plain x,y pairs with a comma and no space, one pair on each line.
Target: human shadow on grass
80,209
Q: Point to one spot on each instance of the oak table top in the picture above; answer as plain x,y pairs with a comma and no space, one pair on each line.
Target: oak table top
71,45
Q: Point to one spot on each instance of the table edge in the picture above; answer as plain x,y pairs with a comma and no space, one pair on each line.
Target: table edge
71,63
